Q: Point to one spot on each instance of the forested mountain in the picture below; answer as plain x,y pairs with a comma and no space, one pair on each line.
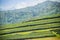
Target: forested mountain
28,13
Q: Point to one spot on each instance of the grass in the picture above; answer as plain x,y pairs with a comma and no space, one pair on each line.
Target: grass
36,33
25,23
31,28
18,30
48,38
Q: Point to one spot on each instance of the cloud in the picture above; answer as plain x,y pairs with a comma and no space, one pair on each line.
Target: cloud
26,4
17,4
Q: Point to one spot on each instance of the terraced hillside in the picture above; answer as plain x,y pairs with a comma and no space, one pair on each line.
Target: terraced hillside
43,24
38,28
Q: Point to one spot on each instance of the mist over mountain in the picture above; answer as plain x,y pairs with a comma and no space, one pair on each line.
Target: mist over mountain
28,13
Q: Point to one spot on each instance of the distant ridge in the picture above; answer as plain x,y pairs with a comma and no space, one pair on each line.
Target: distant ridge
19,15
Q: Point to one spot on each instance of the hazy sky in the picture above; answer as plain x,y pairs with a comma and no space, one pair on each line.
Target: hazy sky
17,4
